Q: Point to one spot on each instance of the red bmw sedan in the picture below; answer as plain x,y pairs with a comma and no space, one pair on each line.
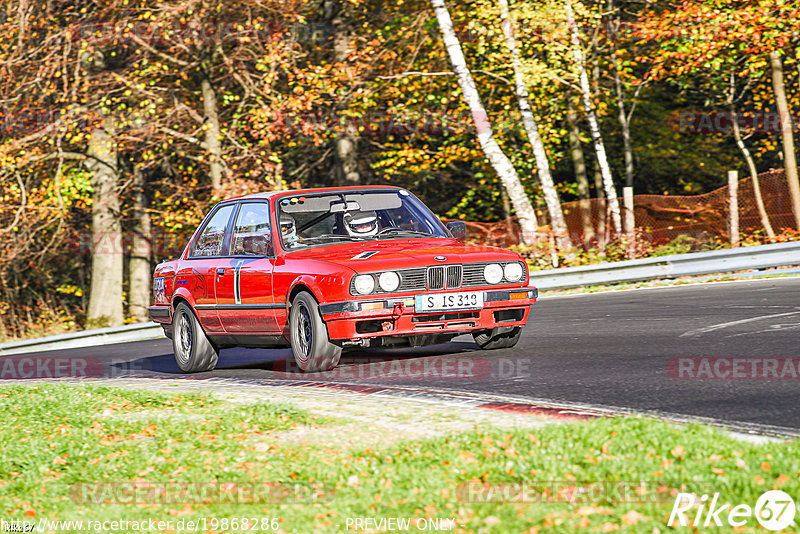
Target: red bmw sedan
324,270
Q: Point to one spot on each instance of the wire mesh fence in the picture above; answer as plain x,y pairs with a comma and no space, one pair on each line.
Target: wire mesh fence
661,218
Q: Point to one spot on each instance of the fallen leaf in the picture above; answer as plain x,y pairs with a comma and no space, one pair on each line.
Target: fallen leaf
631,518
593,510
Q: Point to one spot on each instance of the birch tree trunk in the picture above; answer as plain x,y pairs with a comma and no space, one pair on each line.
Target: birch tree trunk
751,165
602,209
624,118
212,142
105,294
579,166
346,142
558,225
789,157
139,272
594,125
500,162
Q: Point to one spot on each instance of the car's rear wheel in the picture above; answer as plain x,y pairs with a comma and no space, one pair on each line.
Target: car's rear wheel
308,335
194,353
492,339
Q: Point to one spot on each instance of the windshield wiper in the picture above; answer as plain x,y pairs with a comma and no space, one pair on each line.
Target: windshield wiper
324,236
386,231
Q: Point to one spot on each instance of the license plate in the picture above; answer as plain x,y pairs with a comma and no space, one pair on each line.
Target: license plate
449,301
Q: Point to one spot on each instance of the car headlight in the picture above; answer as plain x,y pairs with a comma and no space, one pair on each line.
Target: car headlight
364,284
513,271
389,281
493,273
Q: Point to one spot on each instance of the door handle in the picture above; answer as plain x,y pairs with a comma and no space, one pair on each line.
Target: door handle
220,271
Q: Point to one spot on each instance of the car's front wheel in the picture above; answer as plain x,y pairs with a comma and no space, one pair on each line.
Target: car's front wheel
498,338
308,335
194,353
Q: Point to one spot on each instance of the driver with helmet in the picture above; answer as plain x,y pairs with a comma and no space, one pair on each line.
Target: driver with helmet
288,229
361,223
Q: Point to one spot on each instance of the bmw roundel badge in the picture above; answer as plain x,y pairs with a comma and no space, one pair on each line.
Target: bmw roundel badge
440,258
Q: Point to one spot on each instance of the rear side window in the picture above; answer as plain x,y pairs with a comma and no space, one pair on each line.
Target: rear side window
211,239
251,233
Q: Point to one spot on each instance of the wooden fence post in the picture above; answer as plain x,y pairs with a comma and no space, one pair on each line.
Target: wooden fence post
733,206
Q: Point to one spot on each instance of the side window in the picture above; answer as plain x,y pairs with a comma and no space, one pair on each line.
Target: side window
209,243
251,232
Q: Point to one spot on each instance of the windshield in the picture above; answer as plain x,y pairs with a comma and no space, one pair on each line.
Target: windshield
333,217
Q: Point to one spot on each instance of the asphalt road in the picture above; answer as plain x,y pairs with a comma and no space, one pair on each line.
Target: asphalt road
614,349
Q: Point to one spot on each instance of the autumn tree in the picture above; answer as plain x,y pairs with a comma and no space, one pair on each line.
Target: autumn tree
502,165
740,39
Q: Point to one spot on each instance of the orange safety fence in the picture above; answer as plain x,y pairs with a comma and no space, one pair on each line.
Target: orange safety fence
661,218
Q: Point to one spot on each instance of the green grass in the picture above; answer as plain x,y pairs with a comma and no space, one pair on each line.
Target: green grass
56,437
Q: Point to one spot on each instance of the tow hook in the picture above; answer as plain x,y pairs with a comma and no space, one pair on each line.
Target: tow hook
397,311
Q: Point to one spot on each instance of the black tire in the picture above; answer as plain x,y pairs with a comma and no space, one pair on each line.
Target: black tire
308,335
489,340
194,353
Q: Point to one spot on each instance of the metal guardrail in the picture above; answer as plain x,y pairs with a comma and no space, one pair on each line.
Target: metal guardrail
87,338
693,264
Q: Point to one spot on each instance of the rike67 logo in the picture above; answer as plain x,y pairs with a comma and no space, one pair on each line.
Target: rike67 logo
774,510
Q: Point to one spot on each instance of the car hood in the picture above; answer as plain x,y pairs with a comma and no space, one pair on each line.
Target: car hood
393,254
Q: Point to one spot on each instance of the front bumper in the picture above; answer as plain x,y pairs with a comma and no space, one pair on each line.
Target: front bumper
396,316
160,314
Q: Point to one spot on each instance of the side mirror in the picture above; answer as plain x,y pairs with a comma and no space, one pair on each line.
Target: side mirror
458,229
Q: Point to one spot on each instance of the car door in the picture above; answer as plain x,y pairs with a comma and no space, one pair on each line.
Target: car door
208,253
245,300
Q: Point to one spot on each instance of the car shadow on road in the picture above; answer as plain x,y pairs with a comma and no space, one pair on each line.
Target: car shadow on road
279,363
